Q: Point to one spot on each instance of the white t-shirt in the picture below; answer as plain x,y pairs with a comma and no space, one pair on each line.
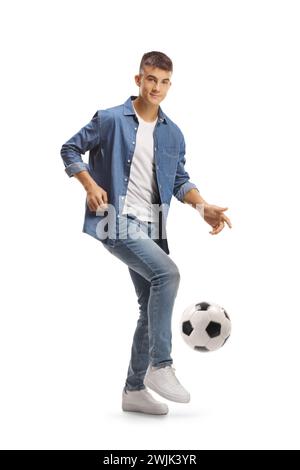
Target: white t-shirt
142,188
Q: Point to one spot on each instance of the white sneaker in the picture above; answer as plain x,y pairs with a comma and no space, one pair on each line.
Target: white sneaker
142,401
164,382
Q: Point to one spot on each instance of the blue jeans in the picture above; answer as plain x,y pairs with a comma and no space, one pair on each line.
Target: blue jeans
156,279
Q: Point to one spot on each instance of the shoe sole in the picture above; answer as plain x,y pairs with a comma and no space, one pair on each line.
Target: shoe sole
166,395
134,408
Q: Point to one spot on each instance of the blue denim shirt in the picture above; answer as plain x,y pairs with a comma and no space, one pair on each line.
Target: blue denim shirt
110,137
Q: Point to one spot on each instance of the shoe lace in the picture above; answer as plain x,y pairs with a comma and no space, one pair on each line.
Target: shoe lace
171,371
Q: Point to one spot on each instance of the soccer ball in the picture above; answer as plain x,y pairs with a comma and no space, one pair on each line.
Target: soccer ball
205,326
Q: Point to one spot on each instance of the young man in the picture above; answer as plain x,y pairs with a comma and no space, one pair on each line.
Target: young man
136,163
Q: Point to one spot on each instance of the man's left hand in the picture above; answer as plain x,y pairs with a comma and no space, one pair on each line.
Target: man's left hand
214,216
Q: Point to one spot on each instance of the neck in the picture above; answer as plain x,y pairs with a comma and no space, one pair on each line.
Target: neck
147,111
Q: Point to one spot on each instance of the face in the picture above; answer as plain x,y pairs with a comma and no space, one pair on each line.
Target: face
154,84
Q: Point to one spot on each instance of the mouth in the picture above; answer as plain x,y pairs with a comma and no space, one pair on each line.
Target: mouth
154,96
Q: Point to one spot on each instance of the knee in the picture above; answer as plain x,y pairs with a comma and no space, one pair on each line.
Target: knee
174,274
169,275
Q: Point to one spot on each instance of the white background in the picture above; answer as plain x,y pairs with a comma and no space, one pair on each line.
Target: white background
68,308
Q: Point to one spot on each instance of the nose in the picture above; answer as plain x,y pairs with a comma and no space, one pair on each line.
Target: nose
156,87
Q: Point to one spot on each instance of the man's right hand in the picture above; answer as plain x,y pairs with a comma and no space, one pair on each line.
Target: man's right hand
96,196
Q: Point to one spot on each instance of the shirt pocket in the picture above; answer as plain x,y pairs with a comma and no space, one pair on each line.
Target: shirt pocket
171,151
170,156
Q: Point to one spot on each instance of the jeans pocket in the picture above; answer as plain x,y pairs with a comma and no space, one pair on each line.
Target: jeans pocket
107,246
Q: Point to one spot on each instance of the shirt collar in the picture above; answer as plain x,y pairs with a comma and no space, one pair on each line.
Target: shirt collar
128,109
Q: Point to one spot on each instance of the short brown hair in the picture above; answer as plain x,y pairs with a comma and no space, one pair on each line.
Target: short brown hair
156,59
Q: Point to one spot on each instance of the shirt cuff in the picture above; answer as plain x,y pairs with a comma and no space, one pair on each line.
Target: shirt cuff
185,188
76,168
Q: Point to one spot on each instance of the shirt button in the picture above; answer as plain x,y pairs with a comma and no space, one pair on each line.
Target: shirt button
128,161
157,166
155,148
122,197
135,128
133,142
125,179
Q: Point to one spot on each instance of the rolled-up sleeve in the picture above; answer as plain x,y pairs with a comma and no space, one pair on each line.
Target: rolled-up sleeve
86,139
182,182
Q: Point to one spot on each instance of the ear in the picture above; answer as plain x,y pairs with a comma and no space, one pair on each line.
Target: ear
137,79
